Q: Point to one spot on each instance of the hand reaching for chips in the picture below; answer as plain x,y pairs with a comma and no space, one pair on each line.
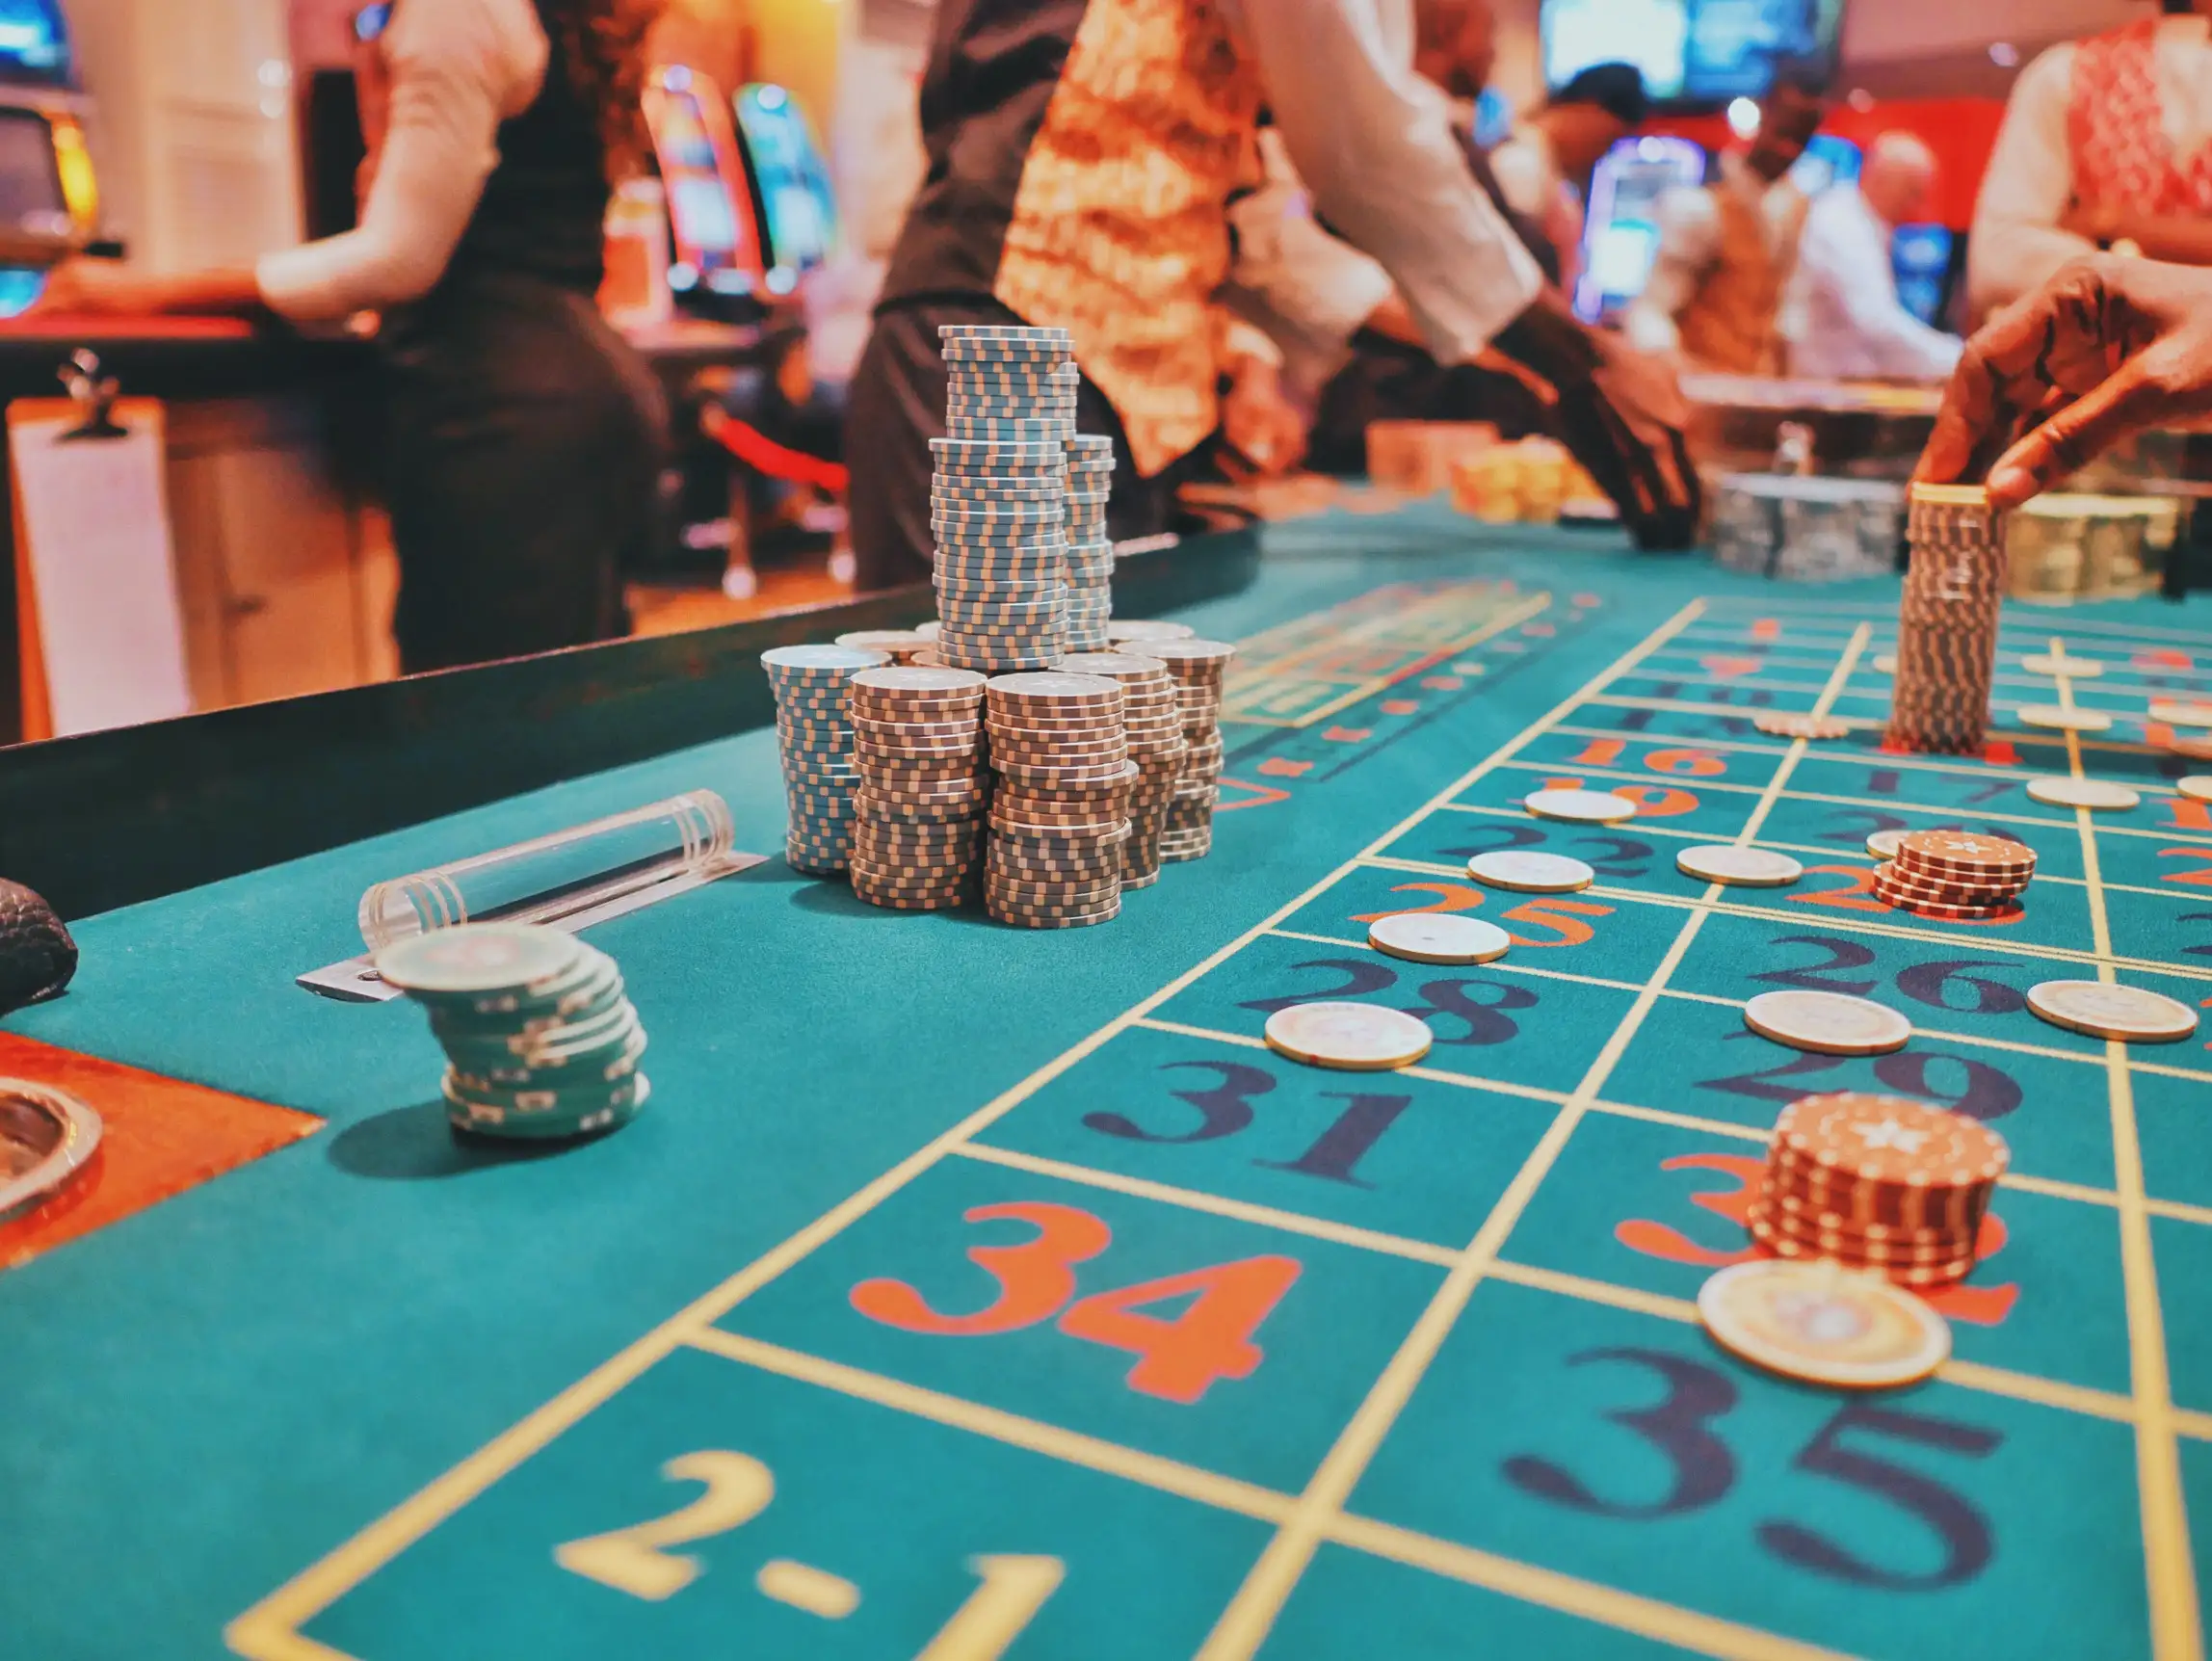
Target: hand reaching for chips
2108,348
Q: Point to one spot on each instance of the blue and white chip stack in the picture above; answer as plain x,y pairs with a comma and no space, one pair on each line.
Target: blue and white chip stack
815,734
998,505
1090,550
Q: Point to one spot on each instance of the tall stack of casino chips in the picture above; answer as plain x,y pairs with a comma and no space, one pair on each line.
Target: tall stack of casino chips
1152,721
815,737
1090,549
1061,811
1198,667
1878,1182
1948,621
997,501
541,1041
917,740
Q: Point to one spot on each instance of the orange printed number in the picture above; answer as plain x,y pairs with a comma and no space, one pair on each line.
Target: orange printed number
1210,1339
1548,914
1652,801
2190,814
2200,878
1601,753
1450,897
1035,1278
1696,763
1981,1305
1855,895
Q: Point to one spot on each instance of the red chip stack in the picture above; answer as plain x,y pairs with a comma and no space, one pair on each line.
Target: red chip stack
1955,875
1878,1182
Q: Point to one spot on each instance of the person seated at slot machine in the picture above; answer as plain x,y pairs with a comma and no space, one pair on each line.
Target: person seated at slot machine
2108,348
1543,165
525,437
1843,317
1726,249
2105,142
1082,156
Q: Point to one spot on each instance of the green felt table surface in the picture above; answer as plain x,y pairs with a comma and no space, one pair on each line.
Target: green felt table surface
1410,1368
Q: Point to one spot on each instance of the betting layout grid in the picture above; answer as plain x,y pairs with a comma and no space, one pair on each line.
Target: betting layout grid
1567,1223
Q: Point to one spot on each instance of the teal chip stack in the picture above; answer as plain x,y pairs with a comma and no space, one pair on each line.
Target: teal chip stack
540,1041
997,505
1090,549
815,735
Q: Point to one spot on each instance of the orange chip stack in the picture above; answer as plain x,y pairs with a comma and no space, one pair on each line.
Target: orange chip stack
1955,875
1878,1182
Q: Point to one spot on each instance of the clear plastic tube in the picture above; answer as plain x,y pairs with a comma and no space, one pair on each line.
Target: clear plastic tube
554,877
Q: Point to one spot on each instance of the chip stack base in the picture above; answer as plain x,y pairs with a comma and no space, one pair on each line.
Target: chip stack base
815,737
1090,547
1878,1182
1199,667
1948,621
1061,811
1152,719
924,789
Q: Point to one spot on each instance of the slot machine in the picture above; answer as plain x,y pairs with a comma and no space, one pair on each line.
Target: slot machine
720,269
49,199
792,197
1621,232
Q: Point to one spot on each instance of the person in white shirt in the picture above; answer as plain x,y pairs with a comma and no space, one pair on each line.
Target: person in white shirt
525,437
1726,250
2105,140
1842,316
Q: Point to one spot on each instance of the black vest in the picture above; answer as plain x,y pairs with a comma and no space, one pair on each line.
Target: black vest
545,208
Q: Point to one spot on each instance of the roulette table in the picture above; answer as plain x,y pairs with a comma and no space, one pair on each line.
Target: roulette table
965,1291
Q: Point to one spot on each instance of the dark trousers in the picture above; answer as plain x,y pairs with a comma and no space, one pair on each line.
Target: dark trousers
526,441
897,404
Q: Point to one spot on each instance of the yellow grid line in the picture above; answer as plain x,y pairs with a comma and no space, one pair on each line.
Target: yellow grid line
2170,1574
1245,1624
269,1630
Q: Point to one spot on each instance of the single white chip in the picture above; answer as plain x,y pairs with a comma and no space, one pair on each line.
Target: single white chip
1883,844
1531,873
2108,1011
2198,786
1356,1037
2066,792
1823,1324
1738,867
1437,938
1580,806
2073,668
1885,664
1828,1023
2052,718
2181,712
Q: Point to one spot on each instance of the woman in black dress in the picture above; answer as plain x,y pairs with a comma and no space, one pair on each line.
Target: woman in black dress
525,437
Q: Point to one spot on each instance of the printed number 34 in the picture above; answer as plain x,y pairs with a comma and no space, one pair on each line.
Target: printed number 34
1178,1359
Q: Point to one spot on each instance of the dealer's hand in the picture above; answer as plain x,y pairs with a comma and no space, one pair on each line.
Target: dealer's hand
2106,348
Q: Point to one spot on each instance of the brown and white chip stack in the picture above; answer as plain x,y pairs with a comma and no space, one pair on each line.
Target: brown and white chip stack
1061,811
1948,621
918,741
1152,720
1956,876
1878,1182
1199,667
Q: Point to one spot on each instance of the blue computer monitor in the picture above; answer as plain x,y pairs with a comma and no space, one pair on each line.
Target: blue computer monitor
790,184
1921,256
1692,52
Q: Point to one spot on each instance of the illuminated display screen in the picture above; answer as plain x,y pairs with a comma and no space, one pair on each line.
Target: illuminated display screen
34,42
1621,232
792,184
1691,51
